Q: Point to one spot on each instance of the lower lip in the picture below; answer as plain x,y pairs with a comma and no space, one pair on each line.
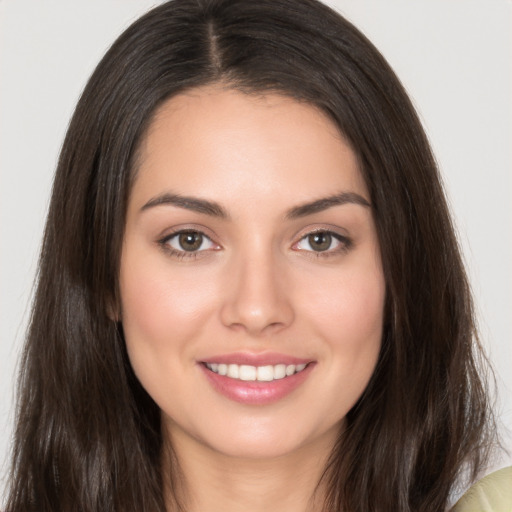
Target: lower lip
256,392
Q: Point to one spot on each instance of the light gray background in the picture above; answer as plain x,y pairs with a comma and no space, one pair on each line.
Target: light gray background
453,57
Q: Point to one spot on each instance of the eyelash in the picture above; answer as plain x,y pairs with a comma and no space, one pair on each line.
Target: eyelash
345,244
184,254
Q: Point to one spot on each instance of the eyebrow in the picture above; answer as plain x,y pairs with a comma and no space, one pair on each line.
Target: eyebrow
188,203
216,210
325,203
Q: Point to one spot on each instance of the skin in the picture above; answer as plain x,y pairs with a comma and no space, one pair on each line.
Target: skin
256,285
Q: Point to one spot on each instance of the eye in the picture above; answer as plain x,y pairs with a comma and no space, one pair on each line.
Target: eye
323,242
188,241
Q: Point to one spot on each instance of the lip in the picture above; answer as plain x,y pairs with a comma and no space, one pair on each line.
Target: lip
256,392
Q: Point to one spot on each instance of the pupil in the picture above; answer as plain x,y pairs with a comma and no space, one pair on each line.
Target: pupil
190,241
320,241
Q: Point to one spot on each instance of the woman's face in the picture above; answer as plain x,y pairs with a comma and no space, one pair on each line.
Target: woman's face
250,249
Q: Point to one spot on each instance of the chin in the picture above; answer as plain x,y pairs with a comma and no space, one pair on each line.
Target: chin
267,441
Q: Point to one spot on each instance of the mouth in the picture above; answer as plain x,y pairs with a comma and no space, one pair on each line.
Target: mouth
249,373
254,379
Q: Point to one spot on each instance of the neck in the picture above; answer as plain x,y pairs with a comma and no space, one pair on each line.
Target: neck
210,481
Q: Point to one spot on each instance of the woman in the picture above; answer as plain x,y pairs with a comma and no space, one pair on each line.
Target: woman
250,292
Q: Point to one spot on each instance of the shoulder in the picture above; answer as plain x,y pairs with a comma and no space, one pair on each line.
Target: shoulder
491,494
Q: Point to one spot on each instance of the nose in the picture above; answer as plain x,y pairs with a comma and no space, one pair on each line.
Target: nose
257,298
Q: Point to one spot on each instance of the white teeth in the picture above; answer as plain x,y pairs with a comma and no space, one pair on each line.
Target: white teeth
246,372
233,371
279,371
265,373
290,369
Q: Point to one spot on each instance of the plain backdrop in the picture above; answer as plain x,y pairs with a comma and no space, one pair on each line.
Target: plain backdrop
453,57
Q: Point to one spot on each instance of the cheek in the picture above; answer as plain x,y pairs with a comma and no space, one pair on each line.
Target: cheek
157,302
346,311
164,314
349,305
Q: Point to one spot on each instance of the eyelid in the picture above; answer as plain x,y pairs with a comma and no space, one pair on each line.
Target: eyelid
199,228
321,228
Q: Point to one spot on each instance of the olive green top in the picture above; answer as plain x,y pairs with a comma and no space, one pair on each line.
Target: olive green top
491,494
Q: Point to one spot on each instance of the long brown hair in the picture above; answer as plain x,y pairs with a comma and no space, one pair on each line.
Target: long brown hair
88,436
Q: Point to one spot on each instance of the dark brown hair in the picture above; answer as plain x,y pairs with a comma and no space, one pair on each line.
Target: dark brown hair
88,436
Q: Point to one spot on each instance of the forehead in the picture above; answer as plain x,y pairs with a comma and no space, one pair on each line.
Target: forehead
224,143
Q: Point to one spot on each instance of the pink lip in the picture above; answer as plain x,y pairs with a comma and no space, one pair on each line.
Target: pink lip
256,392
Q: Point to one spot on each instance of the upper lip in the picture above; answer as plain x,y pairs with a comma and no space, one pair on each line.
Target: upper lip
255,359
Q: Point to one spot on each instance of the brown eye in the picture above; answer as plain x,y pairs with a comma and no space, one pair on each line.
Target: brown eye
320,241
325,243
190,241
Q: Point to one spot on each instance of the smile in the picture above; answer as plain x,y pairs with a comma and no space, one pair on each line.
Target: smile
256,379
267,373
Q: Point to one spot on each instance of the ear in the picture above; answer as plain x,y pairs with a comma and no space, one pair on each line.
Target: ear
113,309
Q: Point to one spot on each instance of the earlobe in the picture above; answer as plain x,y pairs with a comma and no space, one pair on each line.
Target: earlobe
114,316
113,310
